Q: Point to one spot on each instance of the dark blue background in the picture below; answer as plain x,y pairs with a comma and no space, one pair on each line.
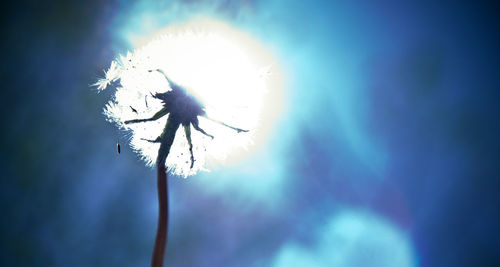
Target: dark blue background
390,110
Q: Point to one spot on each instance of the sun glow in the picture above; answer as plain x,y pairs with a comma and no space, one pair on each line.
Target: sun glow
225,69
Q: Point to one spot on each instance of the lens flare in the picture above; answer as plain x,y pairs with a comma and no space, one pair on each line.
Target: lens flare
225,69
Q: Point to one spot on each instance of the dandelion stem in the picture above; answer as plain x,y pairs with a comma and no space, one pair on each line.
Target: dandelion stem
167,138
161,232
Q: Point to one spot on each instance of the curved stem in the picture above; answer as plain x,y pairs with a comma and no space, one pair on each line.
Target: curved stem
161,232
167,139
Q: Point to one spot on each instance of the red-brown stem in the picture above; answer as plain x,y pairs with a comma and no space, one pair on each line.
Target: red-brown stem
161,232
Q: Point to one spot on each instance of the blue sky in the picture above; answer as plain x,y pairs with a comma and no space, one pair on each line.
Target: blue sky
384,154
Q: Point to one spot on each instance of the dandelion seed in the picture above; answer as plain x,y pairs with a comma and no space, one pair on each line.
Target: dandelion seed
134,110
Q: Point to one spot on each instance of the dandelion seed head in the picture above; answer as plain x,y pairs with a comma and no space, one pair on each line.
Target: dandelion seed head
223,68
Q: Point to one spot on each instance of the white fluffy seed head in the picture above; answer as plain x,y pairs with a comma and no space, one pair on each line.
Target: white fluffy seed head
220,66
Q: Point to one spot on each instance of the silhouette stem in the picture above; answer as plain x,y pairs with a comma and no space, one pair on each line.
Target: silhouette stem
162,230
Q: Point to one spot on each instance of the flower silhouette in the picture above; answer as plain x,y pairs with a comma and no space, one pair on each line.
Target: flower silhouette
220,90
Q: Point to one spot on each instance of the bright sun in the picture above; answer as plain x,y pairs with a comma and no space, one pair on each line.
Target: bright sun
232,75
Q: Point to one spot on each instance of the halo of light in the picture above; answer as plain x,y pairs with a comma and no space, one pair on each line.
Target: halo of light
226,69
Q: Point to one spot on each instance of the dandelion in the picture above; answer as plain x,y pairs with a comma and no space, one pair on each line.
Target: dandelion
203,78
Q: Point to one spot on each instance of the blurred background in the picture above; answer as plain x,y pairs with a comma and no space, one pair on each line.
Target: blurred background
385,152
